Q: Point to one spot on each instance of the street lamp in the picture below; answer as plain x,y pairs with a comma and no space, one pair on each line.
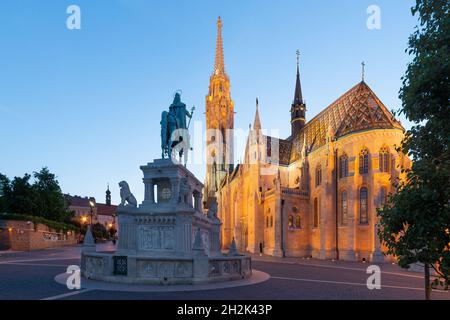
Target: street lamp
83,219
92,205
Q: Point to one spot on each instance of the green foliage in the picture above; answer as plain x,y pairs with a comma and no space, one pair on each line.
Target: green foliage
59,226
415,224
99,231
41,198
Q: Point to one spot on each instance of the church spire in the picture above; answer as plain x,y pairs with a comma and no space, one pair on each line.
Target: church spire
108,196
257,122
298,107
298,88
219,65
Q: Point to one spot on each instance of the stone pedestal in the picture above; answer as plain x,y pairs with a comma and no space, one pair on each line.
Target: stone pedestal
167,239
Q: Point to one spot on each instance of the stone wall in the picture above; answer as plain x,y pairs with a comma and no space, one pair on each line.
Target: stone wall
25,236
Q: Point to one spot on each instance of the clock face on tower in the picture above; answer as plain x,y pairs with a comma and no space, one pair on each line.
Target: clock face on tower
166,193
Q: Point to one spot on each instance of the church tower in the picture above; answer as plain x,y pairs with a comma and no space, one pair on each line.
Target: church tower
219,125
108,196
298,108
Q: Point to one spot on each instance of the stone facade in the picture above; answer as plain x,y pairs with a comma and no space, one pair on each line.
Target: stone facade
316,192
26,236
219,116
168,239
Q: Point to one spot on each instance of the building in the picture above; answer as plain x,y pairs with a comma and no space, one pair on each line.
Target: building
85,207
219,124
314,193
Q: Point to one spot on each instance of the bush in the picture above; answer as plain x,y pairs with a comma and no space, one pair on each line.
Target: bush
59,226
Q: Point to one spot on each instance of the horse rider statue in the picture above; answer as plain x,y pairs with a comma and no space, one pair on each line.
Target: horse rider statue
175,137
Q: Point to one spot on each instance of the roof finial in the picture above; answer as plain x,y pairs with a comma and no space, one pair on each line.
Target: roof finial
363,70
298,98
219,66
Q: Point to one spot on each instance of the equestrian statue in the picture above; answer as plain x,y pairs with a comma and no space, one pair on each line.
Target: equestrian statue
175,139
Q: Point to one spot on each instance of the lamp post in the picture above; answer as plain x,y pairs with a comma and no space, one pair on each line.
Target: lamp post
92,205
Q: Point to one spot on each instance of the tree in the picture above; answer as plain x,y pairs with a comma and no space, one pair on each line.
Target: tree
4,189
50,202
99,231
43,198
21,198
415,223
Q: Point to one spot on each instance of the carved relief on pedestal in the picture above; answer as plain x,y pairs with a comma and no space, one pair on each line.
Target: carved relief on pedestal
166,269
147,269
183,269
94,266
156,237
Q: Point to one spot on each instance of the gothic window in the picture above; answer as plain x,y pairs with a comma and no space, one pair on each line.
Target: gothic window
343,166
298,222
316,213
343,208
363,210
384,159
318,176
291,221
364,161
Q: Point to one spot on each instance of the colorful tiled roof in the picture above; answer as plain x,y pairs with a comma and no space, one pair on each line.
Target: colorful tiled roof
356,110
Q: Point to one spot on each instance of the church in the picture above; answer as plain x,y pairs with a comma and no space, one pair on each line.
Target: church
313,194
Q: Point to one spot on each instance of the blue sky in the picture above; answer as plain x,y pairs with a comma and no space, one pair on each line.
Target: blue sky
87,103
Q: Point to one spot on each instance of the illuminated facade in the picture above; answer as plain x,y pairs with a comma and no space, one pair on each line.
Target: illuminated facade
219,124
316,192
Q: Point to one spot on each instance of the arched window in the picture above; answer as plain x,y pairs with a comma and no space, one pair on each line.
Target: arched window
298,224
291,221
271,221
363,210
364,161
318,176
384,159
267,221
343,166
316,214
343,208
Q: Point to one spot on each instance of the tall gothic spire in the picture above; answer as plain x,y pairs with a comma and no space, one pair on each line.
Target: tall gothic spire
219,65
298,108
257,122
298,88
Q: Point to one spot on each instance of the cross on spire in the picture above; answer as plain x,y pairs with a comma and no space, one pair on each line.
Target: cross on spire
363,70
298,88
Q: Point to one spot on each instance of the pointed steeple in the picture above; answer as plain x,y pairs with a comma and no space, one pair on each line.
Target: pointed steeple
298,98
108,196
257,121
219,65
298,108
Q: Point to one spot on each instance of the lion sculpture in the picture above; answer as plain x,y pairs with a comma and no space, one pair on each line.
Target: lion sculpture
126,195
